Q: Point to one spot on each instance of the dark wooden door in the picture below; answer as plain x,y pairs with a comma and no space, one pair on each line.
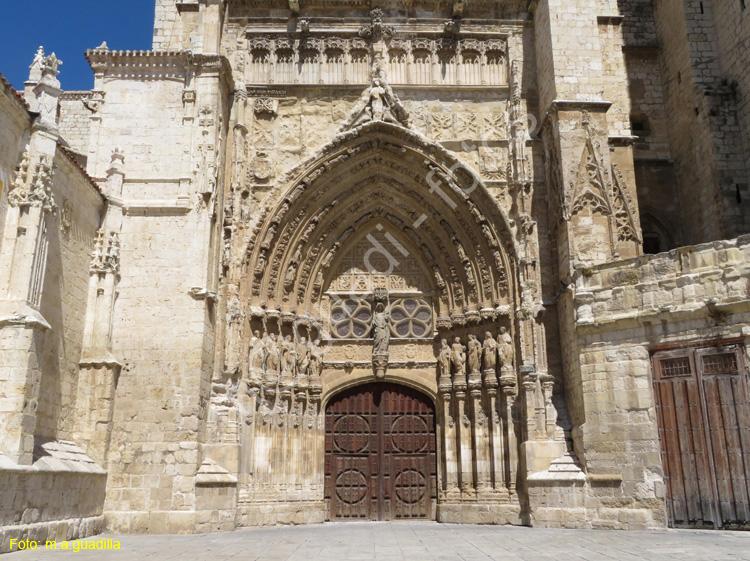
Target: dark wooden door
703,410
380,461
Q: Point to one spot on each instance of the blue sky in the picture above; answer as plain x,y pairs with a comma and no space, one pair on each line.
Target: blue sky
69,27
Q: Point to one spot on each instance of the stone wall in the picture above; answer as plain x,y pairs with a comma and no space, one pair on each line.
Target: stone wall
147,307
164,210
64,297
705,136
620,312
16,121
74,121
733,34
59,498
50,488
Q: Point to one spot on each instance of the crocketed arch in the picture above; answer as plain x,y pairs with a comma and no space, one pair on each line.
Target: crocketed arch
382,174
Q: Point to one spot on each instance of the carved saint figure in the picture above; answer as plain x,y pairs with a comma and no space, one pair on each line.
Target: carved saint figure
272,356
376,100
303,357
458,356
381,330
489,357
475,354
505,349
291,272
444,360
316,360
257,354
287,355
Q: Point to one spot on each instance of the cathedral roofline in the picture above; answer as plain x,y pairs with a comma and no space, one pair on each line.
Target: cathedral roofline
13,94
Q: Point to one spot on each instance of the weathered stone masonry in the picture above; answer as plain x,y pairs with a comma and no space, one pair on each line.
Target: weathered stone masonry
282,202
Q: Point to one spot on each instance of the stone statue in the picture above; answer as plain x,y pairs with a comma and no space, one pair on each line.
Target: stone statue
316,360
287,356
272,356
505,350
489,356
381,328
475,354
376,100
458,356
303,357
256,356
377,103
291,272
444,361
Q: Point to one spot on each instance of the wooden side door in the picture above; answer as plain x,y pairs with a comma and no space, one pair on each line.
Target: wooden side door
704,430
687,473
727,413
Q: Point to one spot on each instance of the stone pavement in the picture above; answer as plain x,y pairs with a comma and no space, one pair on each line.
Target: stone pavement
416,541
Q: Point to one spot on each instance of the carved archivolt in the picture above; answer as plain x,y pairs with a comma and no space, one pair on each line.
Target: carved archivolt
381,179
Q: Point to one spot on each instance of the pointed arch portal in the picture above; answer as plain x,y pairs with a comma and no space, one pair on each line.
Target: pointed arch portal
382,181
379,248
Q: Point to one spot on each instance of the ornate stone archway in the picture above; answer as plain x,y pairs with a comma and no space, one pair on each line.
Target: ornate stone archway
380,216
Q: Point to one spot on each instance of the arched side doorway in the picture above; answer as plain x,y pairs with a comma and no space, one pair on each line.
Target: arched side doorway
380,454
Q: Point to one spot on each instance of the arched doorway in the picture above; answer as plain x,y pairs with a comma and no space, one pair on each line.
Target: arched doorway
380,454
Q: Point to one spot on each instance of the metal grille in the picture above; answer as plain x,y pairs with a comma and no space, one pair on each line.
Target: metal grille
671,367
724,363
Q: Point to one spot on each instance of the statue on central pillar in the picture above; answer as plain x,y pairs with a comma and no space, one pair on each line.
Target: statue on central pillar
381,333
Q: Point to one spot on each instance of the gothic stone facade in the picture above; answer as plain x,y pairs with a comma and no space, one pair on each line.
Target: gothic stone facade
308,261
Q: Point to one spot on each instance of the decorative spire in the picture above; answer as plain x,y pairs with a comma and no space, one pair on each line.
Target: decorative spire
35,70
106,254
32,184
375,30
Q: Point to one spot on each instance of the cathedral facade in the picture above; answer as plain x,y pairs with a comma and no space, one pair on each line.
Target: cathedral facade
468,261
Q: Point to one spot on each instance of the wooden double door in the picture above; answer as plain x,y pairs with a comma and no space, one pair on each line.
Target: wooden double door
703,410
380,461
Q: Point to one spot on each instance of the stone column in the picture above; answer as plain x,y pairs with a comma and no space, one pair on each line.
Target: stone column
250,403
263,440
497,446
508,384
98,368
464,436
317,440
449,439
530,417
297,440
23,262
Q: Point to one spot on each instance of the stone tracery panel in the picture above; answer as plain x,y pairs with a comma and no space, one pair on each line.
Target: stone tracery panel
339,60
